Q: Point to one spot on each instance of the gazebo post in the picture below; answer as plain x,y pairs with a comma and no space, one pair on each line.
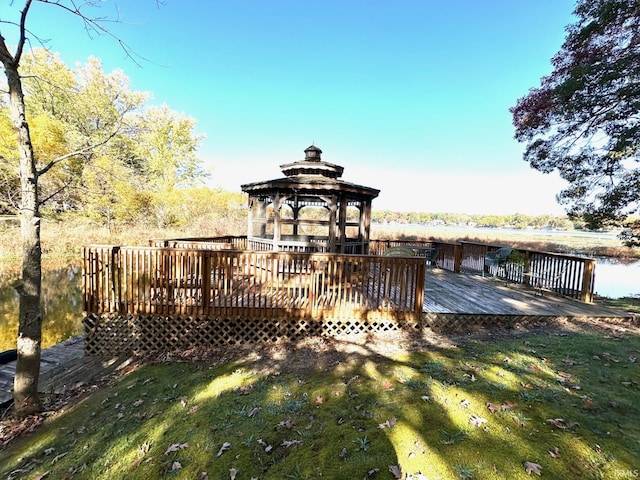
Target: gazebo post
277,205
342,224
333,209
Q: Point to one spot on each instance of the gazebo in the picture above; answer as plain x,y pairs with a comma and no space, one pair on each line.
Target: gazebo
311,209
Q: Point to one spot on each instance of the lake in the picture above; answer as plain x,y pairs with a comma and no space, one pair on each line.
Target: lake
62,298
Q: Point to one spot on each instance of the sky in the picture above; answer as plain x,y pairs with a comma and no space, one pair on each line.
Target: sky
411,97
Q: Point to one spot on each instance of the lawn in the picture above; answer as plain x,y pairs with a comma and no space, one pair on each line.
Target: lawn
557,402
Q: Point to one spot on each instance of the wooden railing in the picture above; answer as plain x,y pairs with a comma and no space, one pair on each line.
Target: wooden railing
568,275
255,285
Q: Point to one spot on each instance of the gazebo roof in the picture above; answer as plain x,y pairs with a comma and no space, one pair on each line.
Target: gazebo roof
311,176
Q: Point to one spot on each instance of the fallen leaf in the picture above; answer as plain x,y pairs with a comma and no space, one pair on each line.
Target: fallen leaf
508,405
609,357
560,423
389,423
477,421
319,400
588,404
343,454
204,476
555,453
535,368
288,424
176,466
633,358
396,471
175,447
493,408
291,443
465,403
254,411
58,457
387,385
225,446
193,409
232,473
531,467
137,403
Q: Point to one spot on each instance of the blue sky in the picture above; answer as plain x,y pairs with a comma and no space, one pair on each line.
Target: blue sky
411,97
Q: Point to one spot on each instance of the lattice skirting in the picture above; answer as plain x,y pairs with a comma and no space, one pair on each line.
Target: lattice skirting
110,334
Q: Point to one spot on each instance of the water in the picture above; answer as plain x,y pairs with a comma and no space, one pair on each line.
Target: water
61,307
62,298
616,278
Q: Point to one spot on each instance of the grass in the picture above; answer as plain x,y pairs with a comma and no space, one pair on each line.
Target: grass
565,402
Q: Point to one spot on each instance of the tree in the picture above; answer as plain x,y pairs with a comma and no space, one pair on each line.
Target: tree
26,398
584,119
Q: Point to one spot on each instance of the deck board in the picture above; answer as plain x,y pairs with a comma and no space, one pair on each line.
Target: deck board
448,292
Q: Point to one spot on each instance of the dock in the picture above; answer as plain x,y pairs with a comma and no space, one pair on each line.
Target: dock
63,367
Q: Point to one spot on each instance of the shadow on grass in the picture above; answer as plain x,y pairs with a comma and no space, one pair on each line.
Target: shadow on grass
563,401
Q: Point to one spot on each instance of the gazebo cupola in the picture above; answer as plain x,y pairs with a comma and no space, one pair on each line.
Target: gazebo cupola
310,209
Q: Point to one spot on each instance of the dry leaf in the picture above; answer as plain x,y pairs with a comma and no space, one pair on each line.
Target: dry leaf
137,403
492,408
254,411
387,385
175,447
389,423
535,368
343,454
396,471
465,403
232,473
291,443
560,423
531,467
319,400
477,421
176,466
508,405
288,424
588,404
225,446
555,453
204,476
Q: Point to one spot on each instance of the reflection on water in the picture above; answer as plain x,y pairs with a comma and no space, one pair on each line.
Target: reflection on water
618,277
61,307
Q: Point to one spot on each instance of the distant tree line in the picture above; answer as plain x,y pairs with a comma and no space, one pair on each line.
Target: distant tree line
517,220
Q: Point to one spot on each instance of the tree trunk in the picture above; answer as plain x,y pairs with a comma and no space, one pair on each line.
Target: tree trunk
25,389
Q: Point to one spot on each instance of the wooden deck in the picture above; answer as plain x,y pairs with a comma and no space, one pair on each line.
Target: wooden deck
466,297
62,367
453,293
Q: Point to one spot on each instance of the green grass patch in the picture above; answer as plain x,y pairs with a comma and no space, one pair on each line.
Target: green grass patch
566,404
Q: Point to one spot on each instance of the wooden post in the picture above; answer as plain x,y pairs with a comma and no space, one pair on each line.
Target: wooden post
457,257
586,294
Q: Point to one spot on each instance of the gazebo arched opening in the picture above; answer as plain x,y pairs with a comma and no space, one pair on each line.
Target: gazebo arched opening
310,209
